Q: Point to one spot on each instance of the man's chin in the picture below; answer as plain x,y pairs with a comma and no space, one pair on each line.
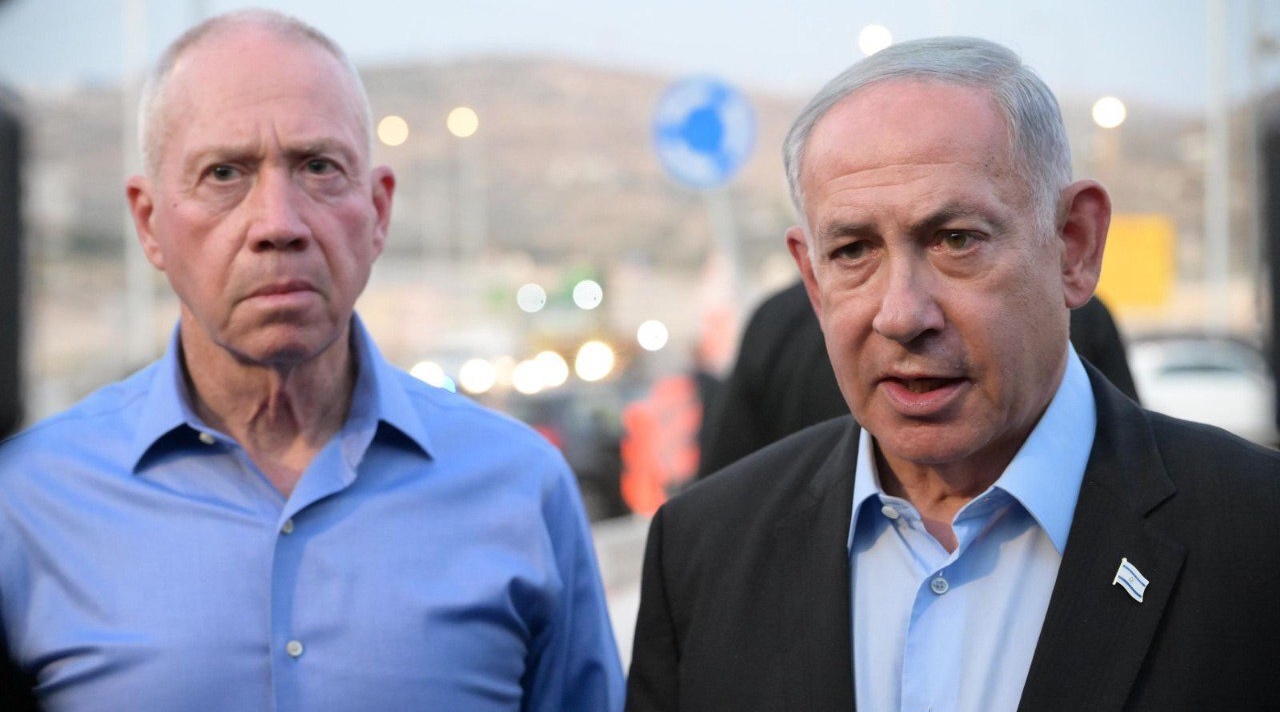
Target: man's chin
281,346
926,444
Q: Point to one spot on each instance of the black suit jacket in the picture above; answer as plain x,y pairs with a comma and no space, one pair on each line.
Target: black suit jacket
745,596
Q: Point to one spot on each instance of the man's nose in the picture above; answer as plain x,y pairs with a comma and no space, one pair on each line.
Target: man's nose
908,304
276,206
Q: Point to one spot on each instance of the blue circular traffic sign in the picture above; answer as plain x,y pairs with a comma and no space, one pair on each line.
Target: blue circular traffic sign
703,131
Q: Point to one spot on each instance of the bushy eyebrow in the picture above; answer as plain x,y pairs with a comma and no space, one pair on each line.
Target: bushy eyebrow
322,148
959,212
938,219
251,153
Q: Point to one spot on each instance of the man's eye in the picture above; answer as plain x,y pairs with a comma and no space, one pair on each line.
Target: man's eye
223,173
957,239
850,251
320,166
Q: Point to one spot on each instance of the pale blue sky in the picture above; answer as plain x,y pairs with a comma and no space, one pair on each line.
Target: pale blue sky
1141,50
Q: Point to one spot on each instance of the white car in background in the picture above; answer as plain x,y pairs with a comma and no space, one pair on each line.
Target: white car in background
1215,379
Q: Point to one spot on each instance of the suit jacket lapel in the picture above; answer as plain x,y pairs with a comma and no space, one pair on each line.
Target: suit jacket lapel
816,635
1095,635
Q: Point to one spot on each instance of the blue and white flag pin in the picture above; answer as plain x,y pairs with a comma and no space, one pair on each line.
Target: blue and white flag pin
1131,580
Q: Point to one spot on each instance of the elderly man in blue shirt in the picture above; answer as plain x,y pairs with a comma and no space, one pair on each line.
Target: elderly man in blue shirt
271,517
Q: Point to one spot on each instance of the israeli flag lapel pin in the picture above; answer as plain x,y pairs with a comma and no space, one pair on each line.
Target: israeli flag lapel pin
1131,580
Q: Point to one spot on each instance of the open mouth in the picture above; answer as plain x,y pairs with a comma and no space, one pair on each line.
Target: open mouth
925,385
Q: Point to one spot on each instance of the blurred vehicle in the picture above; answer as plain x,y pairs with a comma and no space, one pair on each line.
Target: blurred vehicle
1216,379
585,422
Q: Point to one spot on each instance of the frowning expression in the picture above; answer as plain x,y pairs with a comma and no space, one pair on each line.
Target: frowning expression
262,209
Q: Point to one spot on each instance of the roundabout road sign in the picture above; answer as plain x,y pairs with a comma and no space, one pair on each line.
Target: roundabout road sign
703,131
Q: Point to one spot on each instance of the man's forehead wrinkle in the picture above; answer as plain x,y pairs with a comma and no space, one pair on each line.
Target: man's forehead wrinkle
306,138
857,192
877,176
929,210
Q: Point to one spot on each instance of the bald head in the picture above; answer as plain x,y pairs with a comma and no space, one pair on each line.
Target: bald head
153,112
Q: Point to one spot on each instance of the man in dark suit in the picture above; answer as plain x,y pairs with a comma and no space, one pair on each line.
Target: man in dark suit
1007,530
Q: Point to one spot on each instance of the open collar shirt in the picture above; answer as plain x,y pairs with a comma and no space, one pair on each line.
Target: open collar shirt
955,632
433,556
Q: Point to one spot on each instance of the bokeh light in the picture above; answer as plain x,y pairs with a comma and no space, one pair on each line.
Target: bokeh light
652,335
594,361
588,294
874,38
393,130
1109,112
555,370
531,297
528,378
463,122
477,376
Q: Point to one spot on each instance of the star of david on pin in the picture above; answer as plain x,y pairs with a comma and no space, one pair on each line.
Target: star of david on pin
1131,580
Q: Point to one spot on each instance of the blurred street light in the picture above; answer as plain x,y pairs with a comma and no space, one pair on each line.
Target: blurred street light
477,376
588,294
874,38
594,361
1109,112
393,130
1106,154
528,378
463,122
470,219
531,298
652,335
555,370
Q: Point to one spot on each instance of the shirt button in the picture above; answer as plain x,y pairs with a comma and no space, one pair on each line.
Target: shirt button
889,512
293,648
939,585
287,527
207,438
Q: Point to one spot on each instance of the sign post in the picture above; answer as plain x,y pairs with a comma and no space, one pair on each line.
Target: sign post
704,131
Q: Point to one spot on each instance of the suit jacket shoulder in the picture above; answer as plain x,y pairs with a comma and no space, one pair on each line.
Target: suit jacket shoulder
745,595
1194,510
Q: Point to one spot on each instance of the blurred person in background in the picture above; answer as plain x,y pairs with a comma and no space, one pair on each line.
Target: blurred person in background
783,382
1002,528
271,516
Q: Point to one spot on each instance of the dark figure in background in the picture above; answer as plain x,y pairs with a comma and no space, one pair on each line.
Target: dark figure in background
1098,341
783,382
15,686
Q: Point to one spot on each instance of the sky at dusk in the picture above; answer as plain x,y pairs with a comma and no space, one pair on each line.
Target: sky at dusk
1145,51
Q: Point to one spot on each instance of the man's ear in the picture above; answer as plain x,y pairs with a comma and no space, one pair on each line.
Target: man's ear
141,196
799,249
384,188
1082,228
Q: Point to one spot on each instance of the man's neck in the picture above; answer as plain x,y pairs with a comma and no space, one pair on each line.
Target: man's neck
938,492
281,414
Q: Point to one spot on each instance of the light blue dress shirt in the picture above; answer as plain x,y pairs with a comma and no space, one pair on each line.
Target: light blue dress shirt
433,556
955,632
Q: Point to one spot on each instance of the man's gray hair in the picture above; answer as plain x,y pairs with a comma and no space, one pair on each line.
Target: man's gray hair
1037,136
150,135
